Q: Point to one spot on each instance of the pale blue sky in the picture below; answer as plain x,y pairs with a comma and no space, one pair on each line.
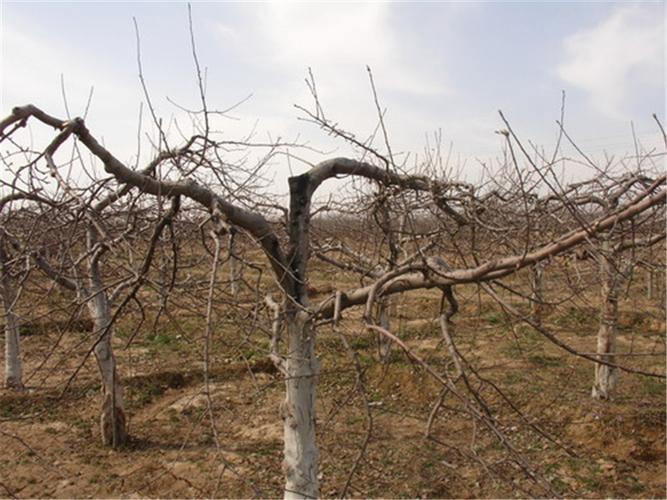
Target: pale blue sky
436,65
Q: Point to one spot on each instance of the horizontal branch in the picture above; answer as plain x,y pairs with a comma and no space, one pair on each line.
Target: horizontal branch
436,274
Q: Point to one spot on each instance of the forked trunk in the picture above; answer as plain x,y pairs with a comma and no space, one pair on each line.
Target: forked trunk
13,368
302,368
606,376
112,419
298,411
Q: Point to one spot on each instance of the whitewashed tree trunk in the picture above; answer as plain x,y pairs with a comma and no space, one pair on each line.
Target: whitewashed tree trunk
298,411
607,376
386,309
301,460
13,367
537,295
387,306
112,419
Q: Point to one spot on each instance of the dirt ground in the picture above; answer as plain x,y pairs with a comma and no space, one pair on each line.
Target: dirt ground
184,444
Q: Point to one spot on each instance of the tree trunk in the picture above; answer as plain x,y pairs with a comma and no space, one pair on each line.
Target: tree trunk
650,287
302,368
234,264
13,368
112,418
386,307
298,411
537,296
606,376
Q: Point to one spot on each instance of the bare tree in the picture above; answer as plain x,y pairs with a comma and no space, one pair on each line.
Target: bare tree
78,269
290,267
14,269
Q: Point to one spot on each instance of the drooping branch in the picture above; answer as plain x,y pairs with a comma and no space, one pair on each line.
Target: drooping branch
253,222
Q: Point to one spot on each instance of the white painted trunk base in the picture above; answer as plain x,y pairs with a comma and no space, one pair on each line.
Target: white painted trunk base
537,286
606,377
385,310
113,425
13,366
300,463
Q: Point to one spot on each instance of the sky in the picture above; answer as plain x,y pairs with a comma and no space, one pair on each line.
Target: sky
437,66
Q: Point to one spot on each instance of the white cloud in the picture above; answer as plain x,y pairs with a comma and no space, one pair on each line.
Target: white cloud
621,55
335,38
332,33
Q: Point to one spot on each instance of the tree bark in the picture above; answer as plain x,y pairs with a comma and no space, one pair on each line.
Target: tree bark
386,305
607,376
113,424
112,419
650,287
298,411
537,296
234,264
302,367
13,366
386,308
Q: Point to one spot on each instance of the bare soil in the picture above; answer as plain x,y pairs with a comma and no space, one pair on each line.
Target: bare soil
185,443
